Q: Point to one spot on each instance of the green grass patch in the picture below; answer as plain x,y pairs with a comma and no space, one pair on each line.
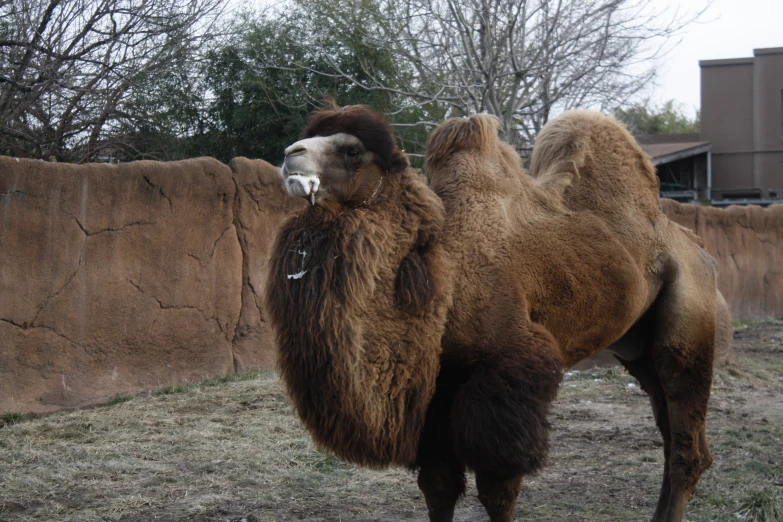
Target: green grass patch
763,322
119,399
211,382
11,418
234,377
716,500
170,390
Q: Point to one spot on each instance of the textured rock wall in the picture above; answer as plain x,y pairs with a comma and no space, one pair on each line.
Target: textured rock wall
747,242
114,279
261,206
124,278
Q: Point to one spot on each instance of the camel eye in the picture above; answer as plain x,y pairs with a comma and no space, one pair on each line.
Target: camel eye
352,153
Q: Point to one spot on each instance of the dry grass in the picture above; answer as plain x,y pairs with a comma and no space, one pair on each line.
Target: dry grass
185,454
231,449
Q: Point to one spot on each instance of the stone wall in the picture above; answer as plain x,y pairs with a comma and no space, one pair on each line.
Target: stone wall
261,205
124,278
747,242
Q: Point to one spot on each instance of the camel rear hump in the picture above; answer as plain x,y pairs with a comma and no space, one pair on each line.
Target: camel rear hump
598,162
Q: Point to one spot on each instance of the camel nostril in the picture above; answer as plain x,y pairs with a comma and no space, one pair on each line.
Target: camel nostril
294,150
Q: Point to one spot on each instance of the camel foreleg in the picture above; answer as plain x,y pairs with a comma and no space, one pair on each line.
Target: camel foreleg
499,425
441,475
443,483
498,495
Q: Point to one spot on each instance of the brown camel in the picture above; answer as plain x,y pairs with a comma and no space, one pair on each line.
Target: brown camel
535,273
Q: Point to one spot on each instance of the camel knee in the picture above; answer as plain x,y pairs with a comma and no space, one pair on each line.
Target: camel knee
442,485
688,463
498,495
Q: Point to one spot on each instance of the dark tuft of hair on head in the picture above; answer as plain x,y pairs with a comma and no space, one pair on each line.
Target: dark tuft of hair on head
373,131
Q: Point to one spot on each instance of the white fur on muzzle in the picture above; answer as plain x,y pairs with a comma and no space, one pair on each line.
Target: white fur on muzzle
302,186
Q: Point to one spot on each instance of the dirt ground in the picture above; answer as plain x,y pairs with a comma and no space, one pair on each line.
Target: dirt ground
231,450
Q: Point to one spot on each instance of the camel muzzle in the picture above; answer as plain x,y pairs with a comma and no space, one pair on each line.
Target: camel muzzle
302,186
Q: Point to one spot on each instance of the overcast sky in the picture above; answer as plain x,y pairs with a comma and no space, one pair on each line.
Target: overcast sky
730,29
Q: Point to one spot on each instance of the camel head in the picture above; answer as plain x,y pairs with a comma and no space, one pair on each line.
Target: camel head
343,158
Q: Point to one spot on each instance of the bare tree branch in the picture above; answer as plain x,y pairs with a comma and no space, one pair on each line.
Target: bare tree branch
520,60
68,66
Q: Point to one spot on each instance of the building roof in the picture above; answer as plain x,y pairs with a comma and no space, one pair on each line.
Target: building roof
725,61
673,151
768,50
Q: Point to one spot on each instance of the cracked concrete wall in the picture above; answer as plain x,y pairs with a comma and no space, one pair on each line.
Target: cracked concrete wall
261,205
114,279
747,242
125,278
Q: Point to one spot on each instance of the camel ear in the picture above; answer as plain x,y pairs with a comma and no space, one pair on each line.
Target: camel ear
414,288
330,104
399,162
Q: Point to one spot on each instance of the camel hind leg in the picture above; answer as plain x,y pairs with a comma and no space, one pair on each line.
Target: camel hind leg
644,371
681,355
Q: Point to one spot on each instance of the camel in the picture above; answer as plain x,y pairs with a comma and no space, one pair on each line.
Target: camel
529,275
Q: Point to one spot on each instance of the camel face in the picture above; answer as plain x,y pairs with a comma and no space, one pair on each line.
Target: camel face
328,168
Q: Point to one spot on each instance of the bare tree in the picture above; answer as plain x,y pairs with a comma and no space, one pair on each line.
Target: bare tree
67,67
517,59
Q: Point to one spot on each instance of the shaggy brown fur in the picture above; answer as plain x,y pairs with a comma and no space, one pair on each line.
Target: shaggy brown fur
549,270
543,271
359,333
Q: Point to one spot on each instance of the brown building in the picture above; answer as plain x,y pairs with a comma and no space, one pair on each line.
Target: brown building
742,117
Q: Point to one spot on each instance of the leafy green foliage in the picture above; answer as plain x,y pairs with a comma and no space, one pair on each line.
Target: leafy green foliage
245,103
647,118
180,86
